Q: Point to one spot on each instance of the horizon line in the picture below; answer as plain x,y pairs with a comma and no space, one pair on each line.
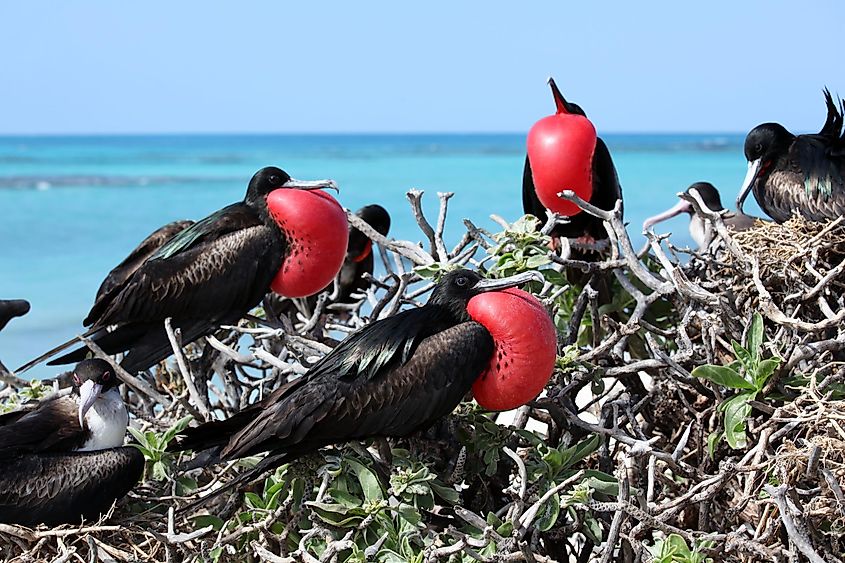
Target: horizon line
336,133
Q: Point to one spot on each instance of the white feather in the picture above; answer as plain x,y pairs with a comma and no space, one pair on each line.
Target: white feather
107,420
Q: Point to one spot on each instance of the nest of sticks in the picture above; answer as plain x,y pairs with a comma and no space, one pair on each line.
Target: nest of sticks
648,472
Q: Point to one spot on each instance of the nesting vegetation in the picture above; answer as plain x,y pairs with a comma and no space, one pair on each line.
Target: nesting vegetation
696,413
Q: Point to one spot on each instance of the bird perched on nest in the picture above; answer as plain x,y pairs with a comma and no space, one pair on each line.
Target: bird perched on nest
398,375
584,228
61,459
699,227
216,270
802,174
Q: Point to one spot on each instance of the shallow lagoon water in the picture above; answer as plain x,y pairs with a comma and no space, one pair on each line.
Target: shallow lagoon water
73,207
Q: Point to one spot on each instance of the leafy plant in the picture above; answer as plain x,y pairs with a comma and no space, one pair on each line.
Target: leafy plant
154,447
748,374
35,391
674,549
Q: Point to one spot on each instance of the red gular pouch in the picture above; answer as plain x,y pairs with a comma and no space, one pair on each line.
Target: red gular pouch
525,348
560,150
317,234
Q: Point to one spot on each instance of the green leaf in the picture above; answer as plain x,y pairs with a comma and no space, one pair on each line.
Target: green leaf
409,513
712,442
180,425
159,471
369,482
506,529
551,510
534,262
344,498
601,482
737,410
743,355
208,520
754,338
253,500
337,515
448,494
592,529
764,371
581,450
723,376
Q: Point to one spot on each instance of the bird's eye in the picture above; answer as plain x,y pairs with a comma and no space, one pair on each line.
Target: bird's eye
76,379
107,376
274,180
758,148
461,281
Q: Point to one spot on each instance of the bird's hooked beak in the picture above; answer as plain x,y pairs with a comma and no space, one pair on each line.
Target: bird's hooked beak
560,101
88,393
682,206
511,281
748,183
311,184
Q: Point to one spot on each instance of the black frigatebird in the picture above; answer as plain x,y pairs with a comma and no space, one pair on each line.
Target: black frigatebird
391,378
605,181
803,173
359,253
699,228
215,271
11,308
148,246
62,459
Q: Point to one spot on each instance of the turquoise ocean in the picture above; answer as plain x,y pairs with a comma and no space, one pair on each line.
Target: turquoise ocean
73,207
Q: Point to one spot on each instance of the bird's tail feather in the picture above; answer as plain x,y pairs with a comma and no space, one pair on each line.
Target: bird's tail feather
56,350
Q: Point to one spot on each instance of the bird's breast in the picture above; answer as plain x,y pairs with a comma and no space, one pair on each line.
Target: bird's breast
106,421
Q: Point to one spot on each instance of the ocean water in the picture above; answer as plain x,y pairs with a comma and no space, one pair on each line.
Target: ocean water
73,207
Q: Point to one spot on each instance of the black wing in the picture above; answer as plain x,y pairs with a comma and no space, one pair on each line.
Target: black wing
52,426
406,394
222,264
531,204
62,488
148,246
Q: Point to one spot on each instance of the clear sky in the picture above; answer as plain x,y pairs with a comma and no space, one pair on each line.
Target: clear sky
435,66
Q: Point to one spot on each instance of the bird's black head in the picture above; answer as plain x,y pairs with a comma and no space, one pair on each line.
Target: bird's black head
271,178
96,370
265,181
766,142
378,218
92,378
709,194
455,289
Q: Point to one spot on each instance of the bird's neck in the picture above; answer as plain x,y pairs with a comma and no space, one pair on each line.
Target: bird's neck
106,422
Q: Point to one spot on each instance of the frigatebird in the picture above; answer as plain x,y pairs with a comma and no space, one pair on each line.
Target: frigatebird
62,459
607,191
391,378
359,253
802,174
148,246
699,228
209,274
11,308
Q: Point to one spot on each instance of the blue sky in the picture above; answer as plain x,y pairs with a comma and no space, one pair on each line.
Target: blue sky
185,66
